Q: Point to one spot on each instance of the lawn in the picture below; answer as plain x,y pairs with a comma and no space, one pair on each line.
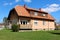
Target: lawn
33,35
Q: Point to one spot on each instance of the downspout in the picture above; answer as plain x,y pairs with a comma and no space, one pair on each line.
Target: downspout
48,25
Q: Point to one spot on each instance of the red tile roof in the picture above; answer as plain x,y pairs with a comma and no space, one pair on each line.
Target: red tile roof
22,11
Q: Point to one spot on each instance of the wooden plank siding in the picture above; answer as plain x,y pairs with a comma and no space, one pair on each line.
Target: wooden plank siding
28,26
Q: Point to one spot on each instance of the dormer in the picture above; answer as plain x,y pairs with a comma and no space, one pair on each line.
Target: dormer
43,14
36,13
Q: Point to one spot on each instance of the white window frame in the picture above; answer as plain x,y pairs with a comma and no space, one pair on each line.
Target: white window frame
26,22
36,21
35,13
43,14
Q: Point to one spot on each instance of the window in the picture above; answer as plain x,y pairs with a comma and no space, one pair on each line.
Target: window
43,22
35,13
35,22
43,14
24,22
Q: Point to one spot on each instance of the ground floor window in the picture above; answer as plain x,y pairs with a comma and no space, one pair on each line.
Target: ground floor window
35,22
24,22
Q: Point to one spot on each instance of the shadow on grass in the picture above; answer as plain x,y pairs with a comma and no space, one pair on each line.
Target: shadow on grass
55,32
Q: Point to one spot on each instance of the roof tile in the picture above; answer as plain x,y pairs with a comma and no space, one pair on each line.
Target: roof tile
22,11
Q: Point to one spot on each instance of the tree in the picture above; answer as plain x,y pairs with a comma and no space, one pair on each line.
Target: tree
15,28
58,25
5,21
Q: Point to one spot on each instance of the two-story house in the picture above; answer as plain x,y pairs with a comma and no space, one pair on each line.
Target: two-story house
29,18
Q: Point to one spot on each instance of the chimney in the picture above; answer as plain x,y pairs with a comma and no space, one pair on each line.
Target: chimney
24,5
40,9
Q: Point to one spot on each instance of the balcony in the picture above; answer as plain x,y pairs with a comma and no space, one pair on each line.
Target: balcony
27,26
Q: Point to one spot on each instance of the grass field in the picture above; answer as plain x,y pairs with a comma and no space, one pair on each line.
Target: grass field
33,35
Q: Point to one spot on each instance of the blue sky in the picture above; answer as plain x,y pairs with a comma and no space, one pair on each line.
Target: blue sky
51,6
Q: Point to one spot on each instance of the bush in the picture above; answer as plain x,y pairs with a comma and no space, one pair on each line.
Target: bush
57,28
15,28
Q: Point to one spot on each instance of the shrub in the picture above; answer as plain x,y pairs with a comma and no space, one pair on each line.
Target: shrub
15,28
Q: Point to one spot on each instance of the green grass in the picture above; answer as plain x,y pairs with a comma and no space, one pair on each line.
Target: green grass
34,35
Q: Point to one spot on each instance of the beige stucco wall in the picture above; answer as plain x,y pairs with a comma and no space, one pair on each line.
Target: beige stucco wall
49,25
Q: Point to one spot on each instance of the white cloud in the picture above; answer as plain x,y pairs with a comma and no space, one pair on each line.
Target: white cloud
17,0
23,0
54,5
10,3
27,0
52,8
5,4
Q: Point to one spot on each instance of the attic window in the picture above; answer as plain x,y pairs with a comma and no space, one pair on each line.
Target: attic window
43,14
35,13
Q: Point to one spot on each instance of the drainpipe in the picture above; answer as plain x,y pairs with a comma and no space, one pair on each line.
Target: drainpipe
48,25
19,22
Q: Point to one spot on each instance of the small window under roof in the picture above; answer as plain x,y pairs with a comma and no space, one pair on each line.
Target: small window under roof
35,13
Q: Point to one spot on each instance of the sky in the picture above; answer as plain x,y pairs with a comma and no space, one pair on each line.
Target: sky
50,6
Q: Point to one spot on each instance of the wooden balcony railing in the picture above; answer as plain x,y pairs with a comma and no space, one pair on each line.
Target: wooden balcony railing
28,26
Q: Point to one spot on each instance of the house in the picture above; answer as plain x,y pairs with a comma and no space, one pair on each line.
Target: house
57,26
29,18
1,26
